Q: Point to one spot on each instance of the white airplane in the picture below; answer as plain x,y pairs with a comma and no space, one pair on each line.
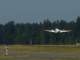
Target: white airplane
57,30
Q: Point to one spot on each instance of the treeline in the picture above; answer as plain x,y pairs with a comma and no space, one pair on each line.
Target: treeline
33,33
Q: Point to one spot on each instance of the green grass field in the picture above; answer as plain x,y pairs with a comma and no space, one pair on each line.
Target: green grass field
43,48
40,52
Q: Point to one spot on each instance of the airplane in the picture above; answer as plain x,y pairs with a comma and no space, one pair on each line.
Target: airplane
57,30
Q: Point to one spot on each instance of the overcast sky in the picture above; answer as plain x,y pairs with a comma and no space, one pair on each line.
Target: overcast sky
38,10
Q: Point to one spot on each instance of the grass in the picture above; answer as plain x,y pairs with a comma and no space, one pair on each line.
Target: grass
43,48
18,52
6,58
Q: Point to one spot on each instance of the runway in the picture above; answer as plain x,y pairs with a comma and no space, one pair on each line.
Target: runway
46,56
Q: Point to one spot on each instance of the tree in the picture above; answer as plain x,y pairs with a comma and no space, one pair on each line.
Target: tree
9,32
1,34
78,29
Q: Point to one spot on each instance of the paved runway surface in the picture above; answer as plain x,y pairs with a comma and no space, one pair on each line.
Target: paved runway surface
46,56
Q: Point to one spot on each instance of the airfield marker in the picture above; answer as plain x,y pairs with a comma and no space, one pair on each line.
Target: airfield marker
6,50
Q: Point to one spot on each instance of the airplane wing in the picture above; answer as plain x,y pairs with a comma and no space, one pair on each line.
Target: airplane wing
65,31
49,30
